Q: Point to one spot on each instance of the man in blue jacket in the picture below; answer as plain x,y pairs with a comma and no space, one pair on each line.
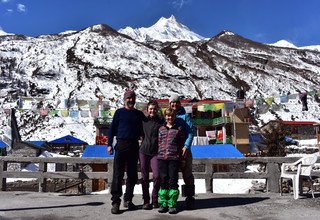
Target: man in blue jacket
127,126
186,166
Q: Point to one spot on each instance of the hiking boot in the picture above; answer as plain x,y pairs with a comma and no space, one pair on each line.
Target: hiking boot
190,202
129,205
115,209
173,210
147,206
162,209
155,205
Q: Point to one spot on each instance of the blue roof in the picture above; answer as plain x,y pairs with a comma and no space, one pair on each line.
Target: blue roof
198,151
67,140
215,151
3,145
37,144
255,138
96,151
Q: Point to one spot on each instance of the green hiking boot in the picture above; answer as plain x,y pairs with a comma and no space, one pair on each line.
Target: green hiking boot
173,198
163,198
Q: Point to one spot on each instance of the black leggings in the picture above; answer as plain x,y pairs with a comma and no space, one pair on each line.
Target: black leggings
169,175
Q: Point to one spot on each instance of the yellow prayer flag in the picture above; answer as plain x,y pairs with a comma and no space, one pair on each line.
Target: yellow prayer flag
269,100
64,113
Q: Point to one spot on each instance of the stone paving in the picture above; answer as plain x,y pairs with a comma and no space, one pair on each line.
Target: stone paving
58,206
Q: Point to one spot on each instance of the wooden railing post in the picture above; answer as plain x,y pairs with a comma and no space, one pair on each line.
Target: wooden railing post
3,181
273,173
110,173
42,180
208,177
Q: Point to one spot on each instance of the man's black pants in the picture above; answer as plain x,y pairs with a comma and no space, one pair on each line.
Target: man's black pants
124,159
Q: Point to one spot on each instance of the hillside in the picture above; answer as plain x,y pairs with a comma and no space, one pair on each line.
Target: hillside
98,62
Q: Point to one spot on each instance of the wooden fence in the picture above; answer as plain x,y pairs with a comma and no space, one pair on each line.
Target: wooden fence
203,169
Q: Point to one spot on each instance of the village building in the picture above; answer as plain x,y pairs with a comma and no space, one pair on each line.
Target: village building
218,122
67,144
299,130
28,148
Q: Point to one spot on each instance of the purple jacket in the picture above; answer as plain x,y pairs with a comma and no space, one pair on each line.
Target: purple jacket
171,142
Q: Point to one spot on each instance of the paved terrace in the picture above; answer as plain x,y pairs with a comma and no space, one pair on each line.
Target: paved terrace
57,206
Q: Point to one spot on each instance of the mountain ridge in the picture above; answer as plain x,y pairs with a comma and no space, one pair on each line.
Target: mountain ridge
99,62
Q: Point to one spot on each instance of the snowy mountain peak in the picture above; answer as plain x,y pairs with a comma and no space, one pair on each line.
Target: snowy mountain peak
165,29
283,43
167,22
2,32
225,33
163,19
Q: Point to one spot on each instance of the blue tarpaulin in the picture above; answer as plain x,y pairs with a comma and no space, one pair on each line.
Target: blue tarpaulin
216,151
255,138
3,145
67,140
290,141
198,151
96,151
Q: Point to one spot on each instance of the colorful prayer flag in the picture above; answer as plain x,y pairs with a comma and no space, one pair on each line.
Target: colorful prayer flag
74,113
84,113
64,112
284,99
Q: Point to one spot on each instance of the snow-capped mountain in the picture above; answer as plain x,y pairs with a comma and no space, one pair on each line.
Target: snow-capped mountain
164,30
2,32
311,47
101,62
283,43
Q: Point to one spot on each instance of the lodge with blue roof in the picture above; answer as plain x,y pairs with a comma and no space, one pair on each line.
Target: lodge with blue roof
66,144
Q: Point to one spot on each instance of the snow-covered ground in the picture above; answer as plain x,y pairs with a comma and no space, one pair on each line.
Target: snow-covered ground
303,144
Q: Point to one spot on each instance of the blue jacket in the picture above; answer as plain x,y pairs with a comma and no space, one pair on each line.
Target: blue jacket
184,120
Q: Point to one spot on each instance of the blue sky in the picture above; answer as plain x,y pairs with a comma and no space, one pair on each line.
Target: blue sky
266,21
